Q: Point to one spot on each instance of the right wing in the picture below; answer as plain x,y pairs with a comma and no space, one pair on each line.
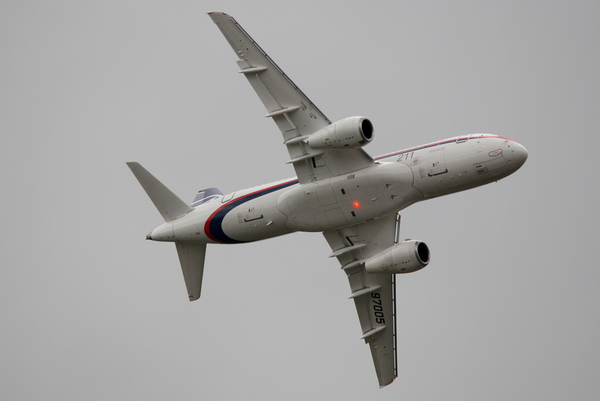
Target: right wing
374,295
295,115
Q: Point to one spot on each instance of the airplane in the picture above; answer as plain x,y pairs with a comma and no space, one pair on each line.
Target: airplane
340,190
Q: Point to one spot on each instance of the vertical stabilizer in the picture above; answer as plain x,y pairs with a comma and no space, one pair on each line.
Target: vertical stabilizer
168,204
191,256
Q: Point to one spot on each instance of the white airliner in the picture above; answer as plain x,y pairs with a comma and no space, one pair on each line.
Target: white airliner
341,191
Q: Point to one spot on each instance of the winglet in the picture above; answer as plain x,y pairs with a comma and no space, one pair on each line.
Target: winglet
169,205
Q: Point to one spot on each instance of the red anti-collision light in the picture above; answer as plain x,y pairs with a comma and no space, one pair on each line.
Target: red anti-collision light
356,204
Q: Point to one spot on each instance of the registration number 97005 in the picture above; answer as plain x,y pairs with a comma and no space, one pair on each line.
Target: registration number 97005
378,307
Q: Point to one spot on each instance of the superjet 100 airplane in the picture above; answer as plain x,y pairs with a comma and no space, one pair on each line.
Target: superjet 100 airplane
341,191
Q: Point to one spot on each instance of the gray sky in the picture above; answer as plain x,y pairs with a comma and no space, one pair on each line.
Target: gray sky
507,309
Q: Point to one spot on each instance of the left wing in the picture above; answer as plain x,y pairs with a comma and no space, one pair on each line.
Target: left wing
374,295
295,115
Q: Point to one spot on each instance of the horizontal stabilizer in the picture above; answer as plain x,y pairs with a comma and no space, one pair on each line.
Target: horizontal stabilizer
168,204
191,256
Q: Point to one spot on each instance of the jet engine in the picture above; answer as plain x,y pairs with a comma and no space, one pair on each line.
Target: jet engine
405,257
351,132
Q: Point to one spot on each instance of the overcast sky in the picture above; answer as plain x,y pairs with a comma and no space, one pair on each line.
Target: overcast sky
508,309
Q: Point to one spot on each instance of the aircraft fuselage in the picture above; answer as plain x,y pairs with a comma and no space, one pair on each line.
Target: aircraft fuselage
394,182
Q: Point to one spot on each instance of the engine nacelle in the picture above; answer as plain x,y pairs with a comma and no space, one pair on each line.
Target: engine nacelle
351,132
405,257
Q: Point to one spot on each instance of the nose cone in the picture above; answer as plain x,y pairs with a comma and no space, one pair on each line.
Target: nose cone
162,233
519,154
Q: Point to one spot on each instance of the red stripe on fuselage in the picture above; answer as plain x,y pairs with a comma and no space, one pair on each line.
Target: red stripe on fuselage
443,142
208,221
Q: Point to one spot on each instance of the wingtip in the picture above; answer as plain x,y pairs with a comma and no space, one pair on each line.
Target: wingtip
133,165
219,16
385,385
214,14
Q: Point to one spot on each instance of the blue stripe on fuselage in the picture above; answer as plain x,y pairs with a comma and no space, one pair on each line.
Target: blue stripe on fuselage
215,226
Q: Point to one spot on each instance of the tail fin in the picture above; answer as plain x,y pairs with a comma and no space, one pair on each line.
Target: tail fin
168,204
191,256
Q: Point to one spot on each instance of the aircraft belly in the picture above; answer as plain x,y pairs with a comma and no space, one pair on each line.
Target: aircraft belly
350,199
336,217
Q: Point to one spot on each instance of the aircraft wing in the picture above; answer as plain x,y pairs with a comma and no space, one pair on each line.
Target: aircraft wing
374,295
295,115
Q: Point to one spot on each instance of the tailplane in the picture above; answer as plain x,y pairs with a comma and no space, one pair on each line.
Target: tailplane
191,257
169,205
